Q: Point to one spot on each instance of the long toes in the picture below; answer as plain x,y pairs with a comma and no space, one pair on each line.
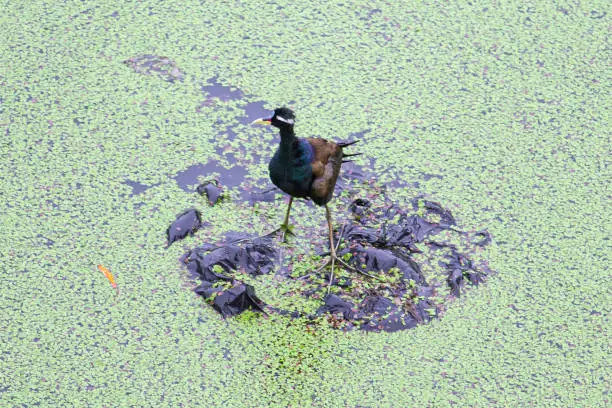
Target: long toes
286,229
289,232
323,266
333,259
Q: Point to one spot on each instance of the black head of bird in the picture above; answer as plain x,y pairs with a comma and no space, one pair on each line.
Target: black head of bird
305,168
280,118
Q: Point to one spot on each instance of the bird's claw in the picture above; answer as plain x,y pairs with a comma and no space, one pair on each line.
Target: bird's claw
344,265
284,229
287,229
330,261
333,259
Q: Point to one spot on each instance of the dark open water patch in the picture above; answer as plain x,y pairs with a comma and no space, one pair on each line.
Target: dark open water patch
215,89
189,179
213,181
254,110
138,188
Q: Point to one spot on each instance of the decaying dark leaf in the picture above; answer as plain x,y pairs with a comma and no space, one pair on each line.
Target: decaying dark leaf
185,224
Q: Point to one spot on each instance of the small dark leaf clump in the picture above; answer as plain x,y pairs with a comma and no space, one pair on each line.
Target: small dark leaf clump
212,190
214,265
232,301
185,224
256,258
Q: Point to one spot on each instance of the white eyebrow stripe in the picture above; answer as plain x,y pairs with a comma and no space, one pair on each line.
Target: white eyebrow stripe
290,121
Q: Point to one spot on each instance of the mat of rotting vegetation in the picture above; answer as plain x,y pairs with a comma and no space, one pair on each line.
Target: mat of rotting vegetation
410,259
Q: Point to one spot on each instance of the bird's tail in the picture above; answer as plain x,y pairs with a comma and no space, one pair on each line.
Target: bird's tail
345,144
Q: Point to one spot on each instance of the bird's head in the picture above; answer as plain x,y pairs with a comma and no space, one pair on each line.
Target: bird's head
280,118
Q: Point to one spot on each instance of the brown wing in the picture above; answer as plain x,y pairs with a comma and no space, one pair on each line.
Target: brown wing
325,169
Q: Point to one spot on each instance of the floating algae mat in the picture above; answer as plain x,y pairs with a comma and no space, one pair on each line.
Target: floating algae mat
418,257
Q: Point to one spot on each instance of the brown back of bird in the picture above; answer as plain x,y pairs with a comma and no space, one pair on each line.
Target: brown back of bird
325,169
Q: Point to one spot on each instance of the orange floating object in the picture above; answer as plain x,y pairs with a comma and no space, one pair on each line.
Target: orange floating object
108,275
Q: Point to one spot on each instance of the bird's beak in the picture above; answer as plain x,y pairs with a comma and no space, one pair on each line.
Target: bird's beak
262,121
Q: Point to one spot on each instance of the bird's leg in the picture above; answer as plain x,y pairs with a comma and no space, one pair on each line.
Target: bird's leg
332,249
336,248
285,228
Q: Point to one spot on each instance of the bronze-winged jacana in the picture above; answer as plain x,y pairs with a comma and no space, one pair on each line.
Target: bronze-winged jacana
306,168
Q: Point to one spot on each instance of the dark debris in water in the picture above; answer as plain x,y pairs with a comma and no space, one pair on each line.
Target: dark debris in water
212,190
380,240
185,224
461,268
257,257
232,301
163,66
213,265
